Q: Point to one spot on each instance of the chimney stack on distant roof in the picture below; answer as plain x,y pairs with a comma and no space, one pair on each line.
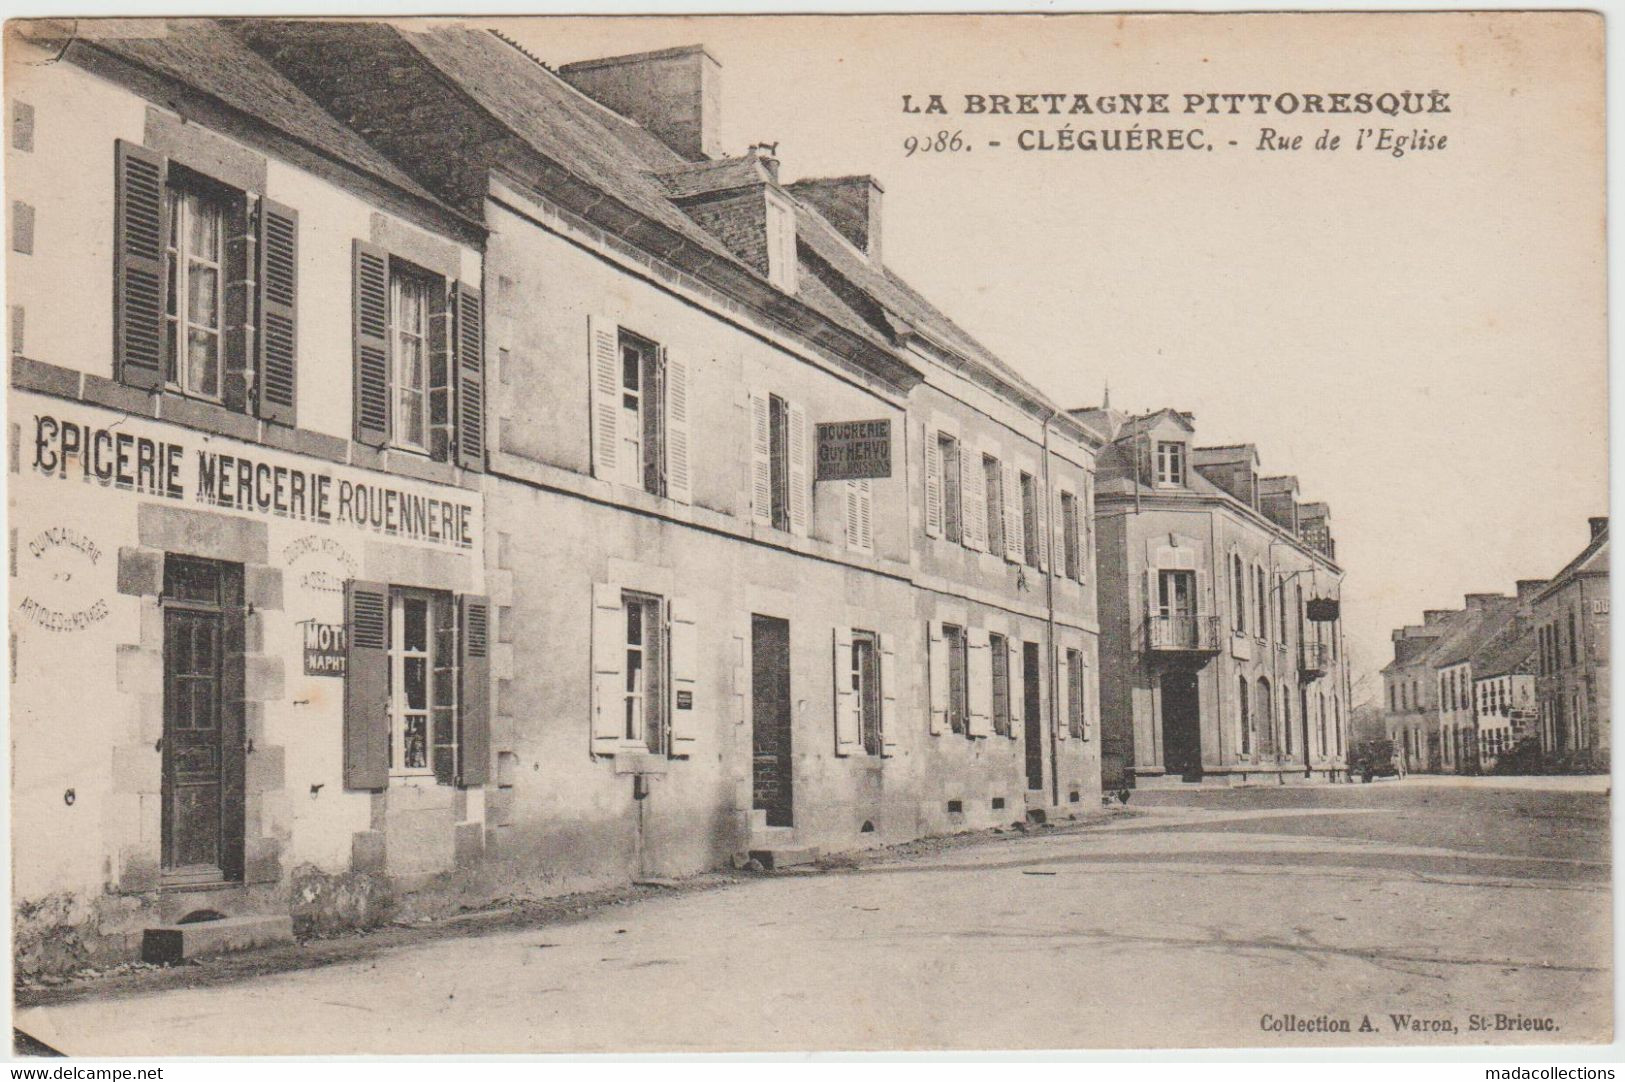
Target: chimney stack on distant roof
851,205
674,93
1599,526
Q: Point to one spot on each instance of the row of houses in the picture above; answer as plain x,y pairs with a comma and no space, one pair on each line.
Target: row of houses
448,479
1468,686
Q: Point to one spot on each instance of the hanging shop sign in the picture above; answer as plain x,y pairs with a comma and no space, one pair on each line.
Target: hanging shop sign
853,450
1322,610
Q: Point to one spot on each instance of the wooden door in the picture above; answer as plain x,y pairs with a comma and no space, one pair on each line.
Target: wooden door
771,782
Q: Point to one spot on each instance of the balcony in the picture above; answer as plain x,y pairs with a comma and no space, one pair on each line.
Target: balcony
1314,659
1182,636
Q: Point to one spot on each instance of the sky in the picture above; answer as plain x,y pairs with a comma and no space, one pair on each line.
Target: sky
1421,340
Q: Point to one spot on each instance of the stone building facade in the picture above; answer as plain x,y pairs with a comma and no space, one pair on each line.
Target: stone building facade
563,503
1571,621
1222,654
224,498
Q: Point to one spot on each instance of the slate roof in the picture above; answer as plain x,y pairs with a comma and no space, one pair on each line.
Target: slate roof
1506,652
201,54
620,158
1593,560
1476,628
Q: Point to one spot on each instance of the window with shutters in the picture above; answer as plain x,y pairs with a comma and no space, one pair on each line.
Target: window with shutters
194,272
195,313
781,244
993,476
958,677
1170,463
953,512
999,647
1071,540
422,711
860,504
866,689
1029,519
1074,693
642,455
646,685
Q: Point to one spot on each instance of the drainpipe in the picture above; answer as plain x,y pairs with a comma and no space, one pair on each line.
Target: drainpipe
1049,606
1279,589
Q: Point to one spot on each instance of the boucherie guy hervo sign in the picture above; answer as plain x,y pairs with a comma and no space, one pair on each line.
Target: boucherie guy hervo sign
118,455
852,450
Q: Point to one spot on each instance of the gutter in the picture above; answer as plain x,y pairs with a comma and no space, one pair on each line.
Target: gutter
1049,607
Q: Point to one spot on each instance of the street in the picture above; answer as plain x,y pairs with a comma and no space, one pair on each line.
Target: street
1409,912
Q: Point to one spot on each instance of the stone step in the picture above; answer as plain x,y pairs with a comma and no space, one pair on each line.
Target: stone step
779,858
169,943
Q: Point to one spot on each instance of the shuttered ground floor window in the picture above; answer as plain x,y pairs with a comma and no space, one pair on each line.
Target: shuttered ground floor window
999,649
644,713
866,688
1074,693
416,686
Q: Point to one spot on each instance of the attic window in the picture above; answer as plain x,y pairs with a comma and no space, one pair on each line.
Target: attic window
781,244
1170,463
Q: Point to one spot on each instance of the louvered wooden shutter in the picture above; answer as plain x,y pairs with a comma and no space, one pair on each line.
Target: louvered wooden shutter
800,486
1014,539
278,339
1018,690
366,685
371,344
937,659
604,373
761,461
608,668
685,673
933,485
1042,527
848,740
473,690
972,497
979,678
1086,511
1062,530
1062,695
679,478
888,696
468,361
860,515
138,266
1090,697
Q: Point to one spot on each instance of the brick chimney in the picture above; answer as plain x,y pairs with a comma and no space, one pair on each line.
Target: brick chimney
1483,601
675,93
1528,588
1434,616
851,205
1599,526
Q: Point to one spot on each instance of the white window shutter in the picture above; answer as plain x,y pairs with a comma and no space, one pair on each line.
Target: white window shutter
848,741
608,668
605,370
685,671
938,675
1086,512
1014,539
973,497
888,697
933,485
679,476
1018,690
1061,695
800,489
860,515
1042,526
761,468
1090,686
979,674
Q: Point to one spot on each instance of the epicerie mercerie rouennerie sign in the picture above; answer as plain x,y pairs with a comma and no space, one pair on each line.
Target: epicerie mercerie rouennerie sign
122,456
853,450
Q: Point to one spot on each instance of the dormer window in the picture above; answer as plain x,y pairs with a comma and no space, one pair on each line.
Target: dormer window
781,243
1170,463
